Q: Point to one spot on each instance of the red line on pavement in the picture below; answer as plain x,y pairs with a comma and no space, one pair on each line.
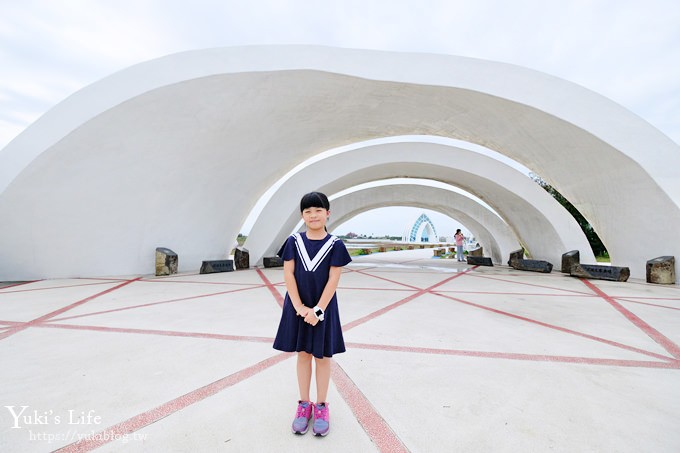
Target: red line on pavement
532,284
348,270
375,426
131,307
191,282
165,333
277,295
146,418
53,287
62,310
357,288
645,303
407,299
389,280
672,365
3,288
515,294
554,327
654,334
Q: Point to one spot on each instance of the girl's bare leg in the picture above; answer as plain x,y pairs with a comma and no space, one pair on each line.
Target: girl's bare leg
304,374
323,377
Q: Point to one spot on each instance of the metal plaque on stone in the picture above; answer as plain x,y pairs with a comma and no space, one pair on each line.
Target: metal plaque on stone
600,272
214,266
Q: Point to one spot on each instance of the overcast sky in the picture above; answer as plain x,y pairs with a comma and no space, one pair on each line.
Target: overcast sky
626,50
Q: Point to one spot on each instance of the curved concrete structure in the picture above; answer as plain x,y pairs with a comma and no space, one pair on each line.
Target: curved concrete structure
172,152
541,224
489,230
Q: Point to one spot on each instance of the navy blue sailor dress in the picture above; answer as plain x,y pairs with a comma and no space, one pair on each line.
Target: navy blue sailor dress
313,260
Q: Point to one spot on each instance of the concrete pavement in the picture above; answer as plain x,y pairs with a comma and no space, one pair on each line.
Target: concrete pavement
441,357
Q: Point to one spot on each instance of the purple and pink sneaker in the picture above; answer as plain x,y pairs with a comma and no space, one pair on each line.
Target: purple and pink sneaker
321,426
302,417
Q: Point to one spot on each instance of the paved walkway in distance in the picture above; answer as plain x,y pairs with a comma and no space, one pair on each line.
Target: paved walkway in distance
441,356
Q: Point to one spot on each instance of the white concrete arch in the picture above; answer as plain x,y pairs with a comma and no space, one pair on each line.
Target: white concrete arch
545,228
175,152
489,230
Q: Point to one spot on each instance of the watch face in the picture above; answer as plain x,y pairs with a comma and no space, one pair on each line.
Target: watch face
318,312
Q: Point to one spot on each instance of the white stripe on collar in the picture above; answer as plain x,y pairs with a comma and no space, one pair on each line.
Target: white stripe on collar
311,265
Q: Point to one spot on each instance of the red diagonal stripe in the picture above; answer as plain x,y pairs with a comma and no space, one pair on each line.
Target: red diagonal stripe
150,304
140,421
43,318
558,328
167,333
391,307
272,288
375,426
388,280
672,365
654,334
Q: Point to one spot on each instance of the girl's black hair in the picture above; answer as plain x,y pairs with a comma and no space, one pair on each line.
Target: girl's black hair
314,200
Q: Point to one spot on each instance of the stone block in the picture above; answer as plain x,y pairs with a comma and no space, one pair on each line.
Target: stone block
515,255
661,270
569,259
241,258
382,249
272,261
532,265
476,252
166,261
600,272
214,266
479,260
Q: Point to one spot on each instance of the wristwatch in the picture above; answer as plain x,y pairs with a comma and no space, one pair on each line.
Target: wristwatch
318,312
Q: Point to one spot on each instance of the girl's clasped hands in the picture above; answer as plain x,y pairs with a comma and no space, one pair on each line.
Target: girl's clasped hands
308,314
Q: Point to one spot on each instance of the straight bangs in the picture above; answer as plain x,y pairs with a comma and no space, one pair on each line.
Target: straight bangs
314,200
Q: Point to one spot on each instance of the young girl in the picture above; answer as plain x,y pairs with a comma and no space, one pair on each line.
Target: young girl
460,254
310,321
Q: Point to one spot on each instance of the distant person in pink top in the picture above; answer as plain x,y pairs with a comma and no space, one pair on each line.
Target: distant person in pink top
460,255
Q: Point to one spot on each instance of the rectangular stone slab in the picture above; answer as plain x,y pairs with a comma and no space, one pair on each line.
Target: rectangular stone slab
214,266
476,252
532,265
241,258
166,261
479,260
272,261
569,259
516,255
661,270
600,272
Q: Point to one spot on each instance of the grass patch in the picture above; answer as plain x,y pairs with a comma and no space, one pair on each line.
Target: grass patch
604,258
